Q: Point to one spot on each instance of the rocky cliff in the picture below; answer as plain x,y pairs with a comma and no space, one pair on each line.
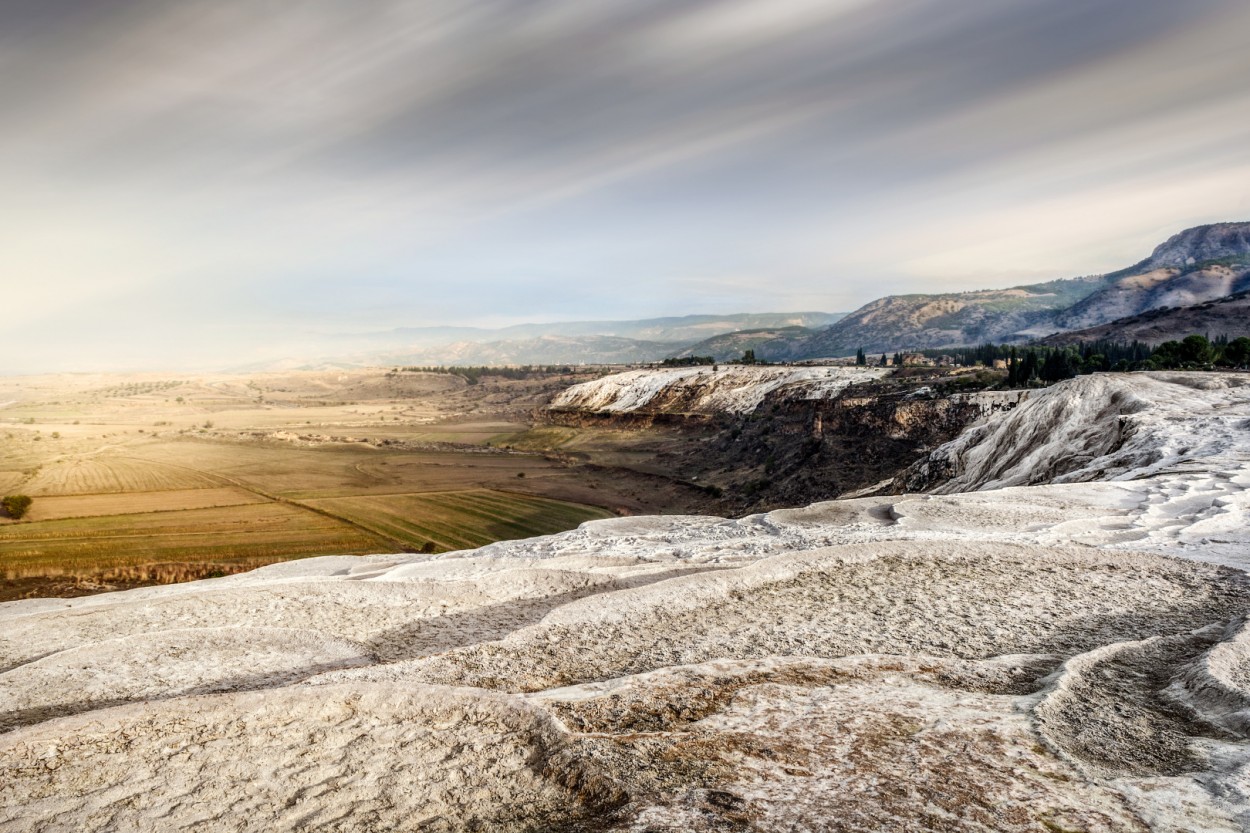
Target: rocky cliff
706,390
762,437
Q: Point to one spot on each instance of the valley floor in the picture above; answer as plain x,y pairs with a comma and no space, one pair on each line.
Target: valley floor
144,479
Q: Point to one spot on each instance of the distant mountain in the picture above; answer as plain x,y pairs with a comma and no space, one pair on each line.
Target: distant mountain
568,342
1228,316
686,328
902,322
550,349
1198,265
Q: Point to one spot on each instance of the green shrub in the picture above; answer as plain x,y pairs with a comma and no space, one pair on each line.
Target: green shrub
15,506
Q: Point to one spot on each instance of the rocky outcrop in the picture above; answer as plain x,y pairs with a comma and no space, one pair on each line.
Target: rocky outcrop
1212,242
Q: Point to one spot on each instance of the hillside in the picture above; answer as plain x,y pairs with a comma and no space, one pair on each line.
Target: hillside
773,344
915,322
1227,316
1018,659
1196,266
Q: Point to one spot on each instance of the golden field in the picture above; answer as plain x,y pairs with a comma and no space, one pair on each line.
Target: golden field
152,477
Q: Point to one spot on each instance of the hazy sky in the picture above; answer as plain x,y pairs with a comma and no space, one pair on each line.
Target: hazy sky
215,179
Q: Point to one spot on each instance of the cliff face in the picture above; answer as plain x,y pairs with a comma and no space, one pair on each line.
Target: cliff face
763,437
706,390
796,451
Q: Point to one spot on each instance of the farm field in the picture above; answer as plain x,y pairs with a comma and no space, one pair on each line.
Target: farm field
109,473
440,521
151,478
60,507
177,545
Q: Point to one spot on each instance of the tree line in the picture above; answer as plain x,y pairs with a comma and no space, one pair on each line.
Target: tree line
862,360
1041,364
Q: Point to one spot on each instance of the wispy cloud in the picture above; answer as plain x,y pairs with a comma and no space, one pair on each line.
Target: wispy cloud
314,165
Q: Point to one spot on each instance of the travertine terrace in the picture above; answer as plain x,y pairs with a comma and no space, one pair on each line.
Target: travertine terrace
729,389
1057,641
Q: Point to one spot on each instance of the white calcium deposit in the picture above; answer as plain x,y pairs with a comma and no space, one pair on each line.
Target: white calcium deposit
1028,654
734,389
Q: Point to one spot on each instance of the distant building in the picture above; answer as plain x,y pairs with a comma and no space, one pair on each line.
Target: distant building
917,360
1000,364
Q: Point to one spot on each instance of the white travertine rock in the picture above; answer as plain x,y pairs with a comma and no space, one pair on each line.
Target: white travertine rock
1027,654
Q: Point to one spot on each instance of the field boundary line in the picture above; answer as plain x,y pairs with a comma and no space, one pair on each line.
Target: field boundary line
386,539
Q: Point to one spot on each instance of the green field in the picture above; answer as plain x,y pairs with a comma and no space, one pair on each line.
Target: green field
174,545
441,521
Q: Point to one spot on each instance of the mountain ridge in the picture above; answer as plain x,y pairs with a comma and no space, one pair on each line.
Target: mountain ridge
1195,266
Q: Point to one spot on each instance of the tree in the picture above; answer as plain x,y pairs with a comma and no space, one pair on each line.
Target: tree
1237,352
1196,349
1094,363
860,358
748,357
1167,355
15,506
885,361
1028,369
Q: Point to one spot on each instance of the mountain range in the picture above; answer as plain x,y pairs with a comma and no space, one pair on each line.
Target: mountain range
1195,267
1194,282
685,328
567,342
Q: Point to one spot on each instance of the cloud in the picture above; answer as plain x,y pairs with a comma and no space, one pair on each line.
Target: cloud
331,161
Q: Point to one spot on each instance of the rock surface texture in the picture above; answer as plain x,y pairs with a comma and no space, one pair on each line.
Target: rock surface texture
1058,643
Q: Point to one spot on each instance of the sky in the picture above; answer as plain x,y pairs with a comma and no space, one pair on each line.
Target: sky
204,182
